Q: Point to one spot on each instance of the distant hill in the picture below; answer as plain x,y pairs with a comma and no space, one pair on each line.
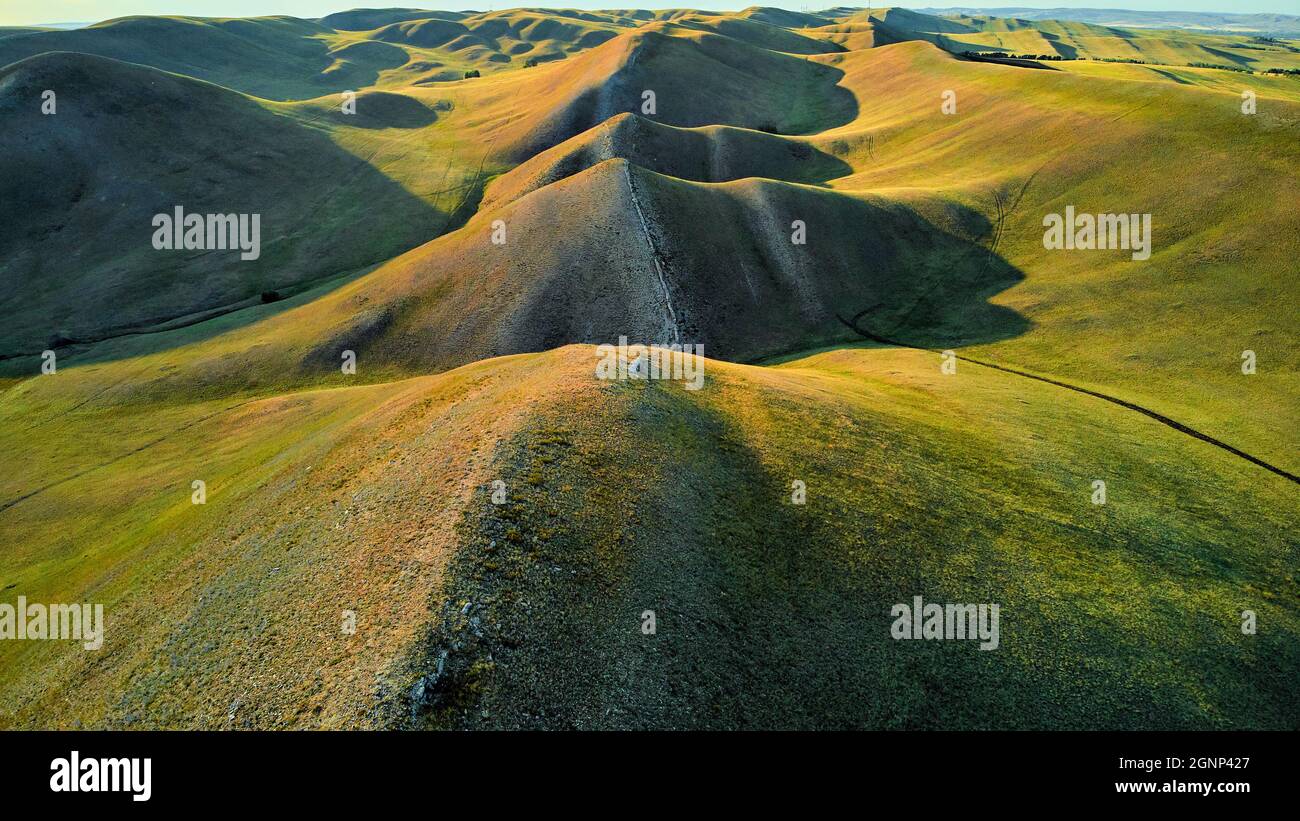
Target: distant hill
1277,25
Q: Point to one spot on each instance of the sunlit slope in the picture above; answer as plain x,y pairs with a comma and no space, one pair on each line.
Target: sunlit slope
781,17
969,488
1167,332
287,58
855,34
679,76
1086,41
623,497
1282,25
302,520
443,47
1232,82
428,140
754,31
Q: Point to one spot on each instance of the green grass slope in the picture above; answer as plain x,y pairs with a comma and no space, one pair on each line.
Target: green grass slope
974,488
82,186
706,154
631,267
370,492
1167,333
272,57
772,615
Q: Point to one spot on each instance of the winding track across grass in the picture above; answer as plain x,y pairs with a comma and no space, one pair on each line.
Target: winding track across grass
1115,400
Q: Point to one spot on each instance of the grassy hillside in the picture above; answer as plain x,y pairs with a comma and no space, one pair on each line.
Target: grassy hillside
470,239
1076,40
753,593
82,186
974,487
1284,25
1278,86
272,57
1100,318
286,58
643,274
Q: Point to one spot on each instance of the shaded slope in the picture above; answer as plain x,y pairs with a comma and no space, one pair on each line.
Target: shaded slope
706,154
367,19
698,78
1153,642
272,57
627,266
127,142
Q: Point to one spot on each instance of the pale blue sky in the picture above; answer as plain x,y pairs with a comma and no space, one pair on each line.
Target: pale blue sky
27,12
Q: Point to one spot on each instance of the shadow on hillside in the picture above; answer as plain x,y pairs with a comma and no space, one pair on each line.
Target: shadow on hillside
946,304
1169,75
1066,50
714,81
323,211
871,268
1006,61
820,573
275,59
1234,59
383,109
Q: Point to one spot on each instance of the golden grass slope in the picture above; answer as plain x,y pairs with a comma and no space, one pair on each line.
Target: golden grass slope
1086,41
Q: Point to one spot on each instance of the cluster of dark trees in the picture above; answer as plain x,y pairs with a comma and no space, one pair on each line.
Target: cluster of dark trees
1003,55
995,55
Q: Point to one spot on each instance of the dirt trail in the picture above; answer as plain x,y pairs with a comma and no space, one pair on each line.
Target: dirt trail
654,256
1115,400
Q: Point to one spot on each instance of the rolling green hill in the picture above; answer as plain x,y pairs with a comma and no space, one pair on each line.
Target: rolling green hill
471,239
272,57
82,187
